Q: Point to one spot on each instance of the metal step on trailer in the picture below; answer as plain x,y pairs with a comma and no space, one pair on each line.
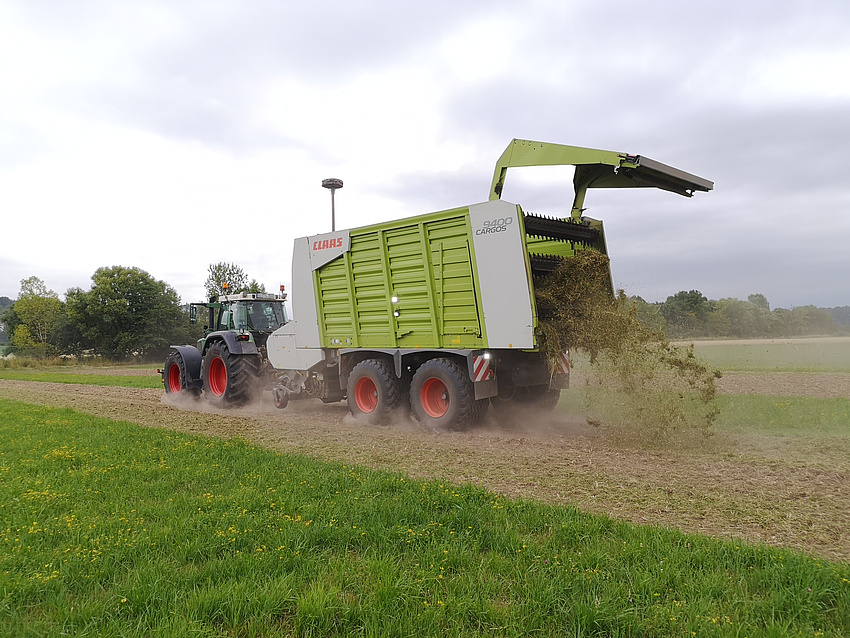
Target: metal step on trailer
559,229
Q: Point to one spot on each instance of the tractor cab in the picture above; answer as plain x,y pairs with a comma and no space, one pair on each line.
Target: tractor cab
257,313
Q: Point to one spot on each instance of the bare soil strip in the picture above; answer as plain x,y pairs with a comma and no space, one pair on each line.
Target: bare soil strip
776,490
822,385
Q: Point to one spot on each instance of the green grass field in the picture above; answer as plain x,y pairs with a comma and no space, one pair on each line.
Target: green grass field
785,416
796,355
109,528
49,375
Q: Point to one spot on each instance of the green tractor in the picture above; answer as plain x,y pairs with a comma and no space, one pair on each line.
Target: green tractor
229,364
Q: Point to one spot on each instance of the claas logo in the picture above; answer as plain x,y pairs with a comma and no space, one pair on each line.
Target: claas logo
322,244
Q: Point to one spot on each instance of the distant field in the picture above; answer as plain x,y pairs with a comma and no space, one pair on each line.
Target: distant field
816,354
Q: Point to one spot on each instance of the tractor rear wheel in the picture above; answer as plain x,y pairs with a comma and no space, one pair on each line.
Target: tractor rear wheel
374,391
230,379
174,376
442,396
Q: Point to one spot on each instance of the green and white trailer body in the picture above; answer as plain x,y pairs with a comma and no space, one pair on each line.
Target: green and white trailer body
456,284
459,279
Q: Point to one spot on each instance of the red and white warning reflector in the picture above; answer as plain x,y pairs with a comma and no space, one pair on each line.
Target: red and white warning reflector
564,362
481,368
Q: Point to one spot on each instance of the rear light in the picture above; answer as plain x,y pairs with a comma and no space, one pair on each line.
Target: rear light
243,337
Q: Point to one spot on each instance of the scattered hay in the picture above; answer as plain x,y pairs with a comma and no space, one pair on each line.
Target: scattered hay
637,384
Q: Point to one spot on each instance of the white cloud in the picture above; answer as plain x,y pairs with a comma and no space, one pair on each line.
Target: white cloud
171,136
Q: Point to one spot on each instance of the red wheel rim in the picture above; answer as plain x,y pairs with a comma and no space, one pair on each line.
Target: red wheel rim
174,385
217,376
366,395
434,397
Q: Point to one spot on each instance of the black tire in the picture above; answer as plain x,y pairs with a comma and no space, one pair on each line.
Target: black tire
525,399
280,398
230,380
549,400
374,391
537,396
442,396
174,376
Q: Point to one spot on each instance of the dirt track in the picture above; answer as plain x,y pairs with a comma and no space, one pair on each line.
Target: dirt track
783,492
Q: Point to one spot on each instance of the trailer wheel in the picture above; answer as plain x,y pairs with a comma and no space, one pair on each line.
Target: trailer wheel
230,380
442,396
538,396
174,376
549,399
373,391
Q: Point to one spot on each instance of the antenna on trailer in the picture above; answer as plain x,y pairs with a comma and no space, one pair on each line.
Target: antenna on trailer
332,183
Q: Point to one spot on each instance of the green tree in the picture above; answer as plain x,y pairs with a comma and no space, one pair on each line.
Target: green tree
35,318
70,334
759,300
5,304
686,314
126,313
745,318
232,275
649,314
718,324
841,318
811,320
9,319
779,323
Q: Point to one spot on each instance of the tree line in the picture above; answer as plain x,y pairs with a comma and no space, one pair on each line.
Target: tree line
689,314
125,314
128,313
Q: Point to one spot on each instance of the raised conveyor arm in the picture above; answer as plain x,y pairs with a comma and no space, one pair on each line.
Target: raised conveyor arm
596,169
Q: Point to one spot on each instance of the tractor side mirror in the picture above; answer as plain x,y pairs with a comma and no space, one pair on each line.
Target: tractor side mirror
193,314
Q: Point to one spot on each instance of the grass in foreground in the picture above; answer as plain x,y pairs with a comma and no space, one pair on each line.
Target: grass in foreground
109,528
148,381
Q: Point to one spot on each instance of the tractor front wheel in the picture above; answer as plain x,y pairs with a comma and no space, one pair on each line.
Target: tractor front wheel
230,380
174,376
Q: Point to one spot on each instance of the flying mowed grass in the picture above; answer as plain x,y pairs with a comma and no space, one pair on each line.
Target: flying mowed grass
110,528
638,383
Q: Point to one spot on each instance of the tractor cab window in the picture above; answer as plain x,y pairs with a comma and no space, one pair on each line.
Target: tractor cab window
240,317
224,319
266,316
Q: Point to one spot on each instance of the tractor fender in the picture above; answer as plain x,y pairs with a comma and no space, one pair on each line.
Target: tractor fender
233,344
192,365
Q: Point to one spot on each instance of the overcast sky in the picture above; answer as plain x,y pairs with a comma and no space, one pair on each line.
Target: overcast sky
170,135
